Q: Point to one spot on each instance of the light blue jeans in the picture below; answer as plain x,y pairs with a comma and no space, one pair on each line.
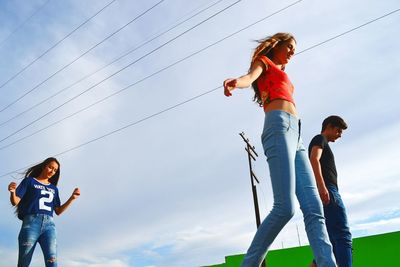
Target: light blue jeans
291,175
37,228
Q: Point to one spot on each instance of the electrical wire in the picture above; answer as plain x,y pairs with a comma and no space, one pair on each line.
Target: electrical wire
127,66
79,57
23,23
145,78
48,50
348,31
132,124
108,64
191,99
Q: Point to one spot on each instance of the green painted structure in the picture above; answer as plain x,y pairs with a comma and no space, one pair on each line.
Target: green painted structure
371,251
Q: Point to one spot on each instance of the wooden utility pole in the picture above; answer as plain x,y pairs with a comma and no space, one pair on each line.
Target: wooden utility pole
252,155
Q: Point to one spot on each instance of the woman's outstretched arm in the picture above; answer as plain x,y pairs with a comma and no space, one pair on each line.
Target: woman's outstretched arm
246,80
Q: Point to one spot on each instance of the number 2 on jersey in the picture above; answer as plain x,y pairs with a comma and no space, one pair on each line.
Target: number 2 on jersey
48,198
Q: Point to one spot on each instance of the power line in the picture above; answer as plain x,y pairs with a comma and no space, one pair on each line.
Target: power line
24,22
48,50
182,103
169,66
146,77
108,77
142,120
76,59
348,31
132,124
108,64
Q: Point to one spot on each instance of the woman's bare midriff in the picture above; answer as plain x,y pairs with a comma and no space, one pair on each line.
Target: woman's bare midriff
280,104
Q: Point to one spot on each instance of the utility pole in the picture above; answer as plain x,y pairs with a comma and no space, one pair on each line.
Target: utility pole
298,235
252,155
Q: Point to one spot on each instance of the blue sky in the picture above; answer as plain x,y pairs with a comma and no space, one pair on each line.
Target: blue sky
174,190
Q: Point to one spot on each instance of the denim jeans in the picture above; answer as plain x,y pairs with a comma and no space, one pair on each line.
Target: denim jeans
338,228
291,175
37,228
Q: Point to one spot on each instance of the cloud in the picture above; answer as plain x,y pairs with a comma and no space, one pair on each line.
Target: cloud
97,263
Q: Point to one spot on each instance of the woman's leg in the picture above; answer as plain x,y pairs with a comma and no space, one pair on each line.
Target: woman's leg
27,239
311,207
48,243
280,148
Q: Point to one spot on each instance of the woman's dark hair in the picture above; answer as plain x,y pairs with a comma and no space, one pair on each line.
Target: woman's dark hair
334,121
36,170
266,48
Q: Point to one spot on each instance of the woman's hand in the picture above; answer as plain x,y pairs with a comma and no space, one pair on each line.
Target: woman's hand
229,85
76,193
12,187
246,80
14,199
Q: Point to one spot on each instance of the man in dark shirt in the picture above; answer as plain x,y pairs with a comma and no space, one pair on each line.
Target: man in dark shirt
323,165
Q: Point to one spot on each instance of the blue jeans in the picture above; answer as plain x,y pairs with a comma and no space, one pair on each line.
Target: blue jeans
37,228
291,175
338,228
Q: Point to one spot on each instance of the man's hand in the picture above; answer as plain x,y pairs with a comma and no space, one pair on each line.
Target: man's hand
324,195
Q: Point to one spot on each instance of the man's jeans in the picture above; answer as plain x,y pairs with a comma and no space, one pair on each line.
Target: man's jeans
37,228
338,228
291,175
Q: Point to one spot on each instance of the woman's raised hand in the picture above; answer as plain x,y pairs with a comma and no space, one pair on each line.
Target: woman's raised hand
76,193
12,187
229,85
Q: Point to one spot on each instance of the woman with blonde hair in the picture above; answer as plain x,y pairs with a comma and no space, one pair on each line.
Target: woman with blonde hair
290,169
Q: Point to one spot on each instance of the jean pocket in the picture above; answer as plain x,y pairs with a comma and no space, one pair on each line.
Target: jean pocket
277,127
28,220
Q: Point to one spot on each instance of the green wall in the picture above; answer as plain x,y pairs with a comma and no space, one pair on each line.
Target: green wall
371,251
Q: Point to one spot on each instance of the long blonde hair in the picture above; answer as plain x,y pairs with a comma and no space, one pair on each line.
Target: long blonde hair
266,48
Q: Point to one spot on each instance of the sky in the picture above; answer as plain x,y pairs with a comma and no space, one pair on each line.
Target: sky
152,142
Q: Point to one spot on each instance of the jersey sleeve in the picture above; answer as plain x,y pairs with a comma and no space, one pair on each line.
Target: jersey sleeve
57,201
22,187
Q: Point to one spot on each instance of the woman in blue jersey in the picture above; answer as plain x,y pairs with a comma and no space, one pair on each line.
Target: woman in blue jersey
36,197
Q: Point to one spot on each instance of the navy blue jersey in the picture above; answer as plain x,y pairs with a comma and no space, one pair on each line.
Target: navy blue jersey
36,198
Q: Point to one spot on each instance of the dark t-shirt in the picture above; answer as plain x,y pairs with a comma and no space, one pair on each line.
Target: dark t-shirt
327,159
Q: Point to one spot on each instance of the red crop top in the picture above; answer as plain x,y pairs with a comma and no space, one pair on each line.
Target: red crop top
274,83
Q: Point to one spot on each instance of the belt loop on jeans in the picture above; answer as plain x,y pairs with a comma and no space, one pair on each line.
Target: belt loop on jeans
298,139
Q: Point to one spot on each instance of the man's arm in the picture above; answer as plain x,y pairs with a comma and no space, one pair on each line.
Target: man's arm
315,156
